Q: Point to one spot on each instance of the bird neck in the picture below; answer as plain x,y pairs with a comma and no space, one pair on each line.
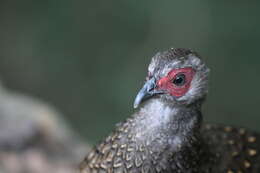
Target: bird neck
168,126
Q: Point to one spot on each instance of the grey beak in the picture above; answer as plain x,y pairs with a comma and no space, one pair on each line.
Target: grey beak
146,92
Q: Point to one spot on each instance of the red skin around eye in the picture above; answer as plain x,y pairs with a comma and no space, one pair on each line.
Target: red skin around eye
166,83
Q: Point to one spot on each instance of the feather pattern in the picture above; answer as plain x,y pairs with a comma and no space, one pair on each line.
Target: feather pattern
167,134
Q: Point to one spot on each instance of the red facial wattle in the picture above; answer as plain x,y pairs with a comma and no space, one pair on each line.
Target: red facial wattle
166,83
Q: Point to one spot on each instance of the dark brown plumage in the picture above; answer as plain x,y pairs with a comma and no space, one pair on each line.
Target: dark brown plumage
236,149
167,134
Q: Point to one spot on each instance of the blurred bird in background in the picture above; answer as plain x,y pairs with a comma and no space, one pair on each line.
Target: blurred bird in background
34,138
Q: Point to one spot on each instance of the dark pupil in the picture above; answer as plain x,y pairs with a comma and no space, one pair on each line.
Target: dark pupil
179,80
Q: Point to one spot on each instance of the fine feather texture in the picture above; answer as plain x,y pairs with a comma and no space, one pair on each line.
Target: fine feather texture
167,133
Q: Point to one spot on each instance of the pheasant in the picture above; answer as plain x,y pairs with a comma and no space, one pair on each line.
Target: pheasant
166,134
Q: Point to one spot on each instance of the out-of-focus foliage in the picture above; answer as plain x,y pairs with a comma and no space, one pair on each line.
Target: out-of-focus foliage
89,58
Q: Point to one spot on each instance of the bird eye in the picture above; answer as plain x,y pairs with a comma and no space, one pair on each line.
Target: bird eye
179,80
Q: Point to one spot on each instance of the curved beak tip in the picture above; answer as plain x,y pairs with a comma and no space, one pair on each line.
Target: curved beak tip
145,92
138,99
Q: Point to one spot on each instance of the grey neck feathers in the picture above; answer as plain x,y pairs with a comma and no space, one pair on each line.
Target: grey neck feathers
162,126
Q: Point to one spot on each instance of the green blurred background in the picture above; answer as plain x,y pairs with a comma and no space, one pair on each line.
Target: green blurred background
89,58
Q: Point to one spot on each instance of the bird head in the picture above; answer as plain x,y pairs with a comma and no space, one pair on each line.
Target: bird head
176,76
